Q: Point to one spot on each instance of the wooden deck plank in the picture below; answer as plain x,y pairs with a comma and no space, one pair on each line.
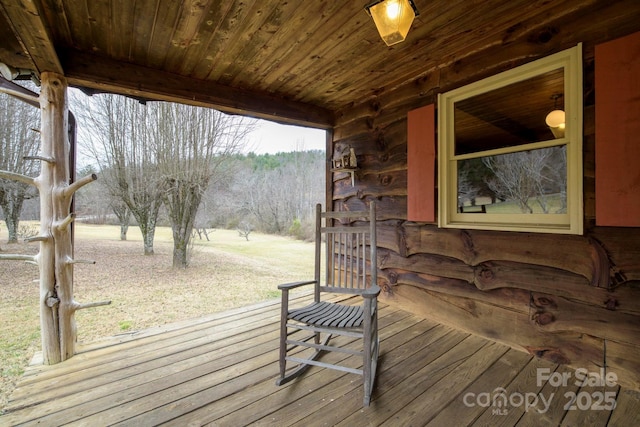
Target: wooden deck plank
426,405
228,339
152,353
189,346
396,366
443,357
498,375
524,382
627,412
392,373
182,335
248,408
548,406
204,408
344,397
592,417
195,372
221,369
151,338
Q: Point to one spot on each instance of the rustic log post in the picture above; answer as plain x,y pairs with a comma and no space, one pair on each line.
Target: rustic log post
54,146
57,307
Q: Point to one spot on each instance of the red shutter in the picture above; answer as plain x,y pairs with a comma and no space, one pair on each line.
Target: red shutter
421,164
617,83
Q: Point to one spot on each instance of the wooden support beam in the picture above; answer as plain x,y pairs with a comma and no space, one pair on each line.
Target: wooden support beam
53,134
102,74
27,22
57,306
10,88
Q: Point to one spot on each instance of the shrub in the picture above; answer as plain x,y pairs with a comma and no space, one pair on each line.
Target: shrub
296,229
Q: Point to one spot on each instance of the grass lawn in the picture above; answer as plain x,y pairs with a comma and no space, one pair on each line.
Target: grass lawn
225,272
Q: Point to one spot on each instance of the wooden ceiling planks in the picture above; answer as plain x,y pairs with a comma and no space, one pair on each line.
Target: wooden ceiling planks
143,29
334,59
160,48
305,64
11,47
101,28
259,29
197,60
56,9
287,39
122,17
417,56
227,36
73,20
194,26
322,54
291,59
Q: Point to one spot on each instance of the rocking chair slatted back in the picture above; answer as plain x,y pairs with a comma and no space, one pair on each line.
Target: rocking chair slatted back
349,249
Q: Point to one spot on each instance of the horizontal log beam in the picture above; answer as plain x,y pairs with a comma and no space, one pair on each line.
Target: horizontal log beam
553,313
576,254
106,75
507,326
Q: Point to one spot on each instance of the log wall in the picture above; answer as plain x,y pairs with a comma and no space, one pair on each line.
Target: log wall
569,299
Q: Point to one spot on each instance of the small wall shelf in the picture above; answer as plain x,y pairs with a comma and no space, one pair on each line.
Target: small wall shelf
347,162
349,170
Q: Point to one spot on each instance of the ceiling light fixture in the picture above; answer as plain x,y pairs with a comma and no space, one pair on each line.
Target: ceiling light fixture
393,18
556,118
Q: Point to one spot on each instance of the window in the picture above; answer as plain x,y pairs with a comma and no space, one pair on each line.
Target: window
504,164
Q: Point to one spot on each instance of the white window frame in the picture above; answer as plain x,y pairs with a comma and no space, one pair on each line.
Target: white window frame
570,222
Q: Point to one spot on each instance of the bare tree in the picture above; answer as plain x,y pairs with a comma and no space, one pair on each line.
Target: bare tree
467,191
19,139
511,180
286,191
121,145
192,146
123,213
526,175
244,229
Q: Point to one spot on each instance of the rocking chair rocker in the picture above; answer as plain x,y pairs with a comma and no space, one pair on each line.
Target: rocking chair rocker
350,266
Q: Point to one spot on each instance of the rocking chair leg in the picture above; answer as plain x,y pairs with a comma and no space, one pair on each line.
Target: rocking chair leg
303,366
283,332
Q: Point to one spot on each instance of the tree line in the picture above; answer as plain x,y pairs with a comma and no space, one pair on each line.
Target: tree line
172,164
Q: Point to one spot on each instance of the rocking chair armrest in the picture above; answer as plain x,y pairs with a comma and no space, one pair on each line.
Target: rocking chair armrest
293,285
371,292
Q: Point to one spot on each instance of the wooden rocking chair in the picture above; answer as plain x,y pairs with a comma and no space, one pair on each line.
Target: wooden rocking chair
350,265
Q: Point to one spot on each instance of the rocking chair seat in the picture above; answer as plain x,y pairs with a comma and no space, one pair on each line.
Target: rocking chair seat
329,315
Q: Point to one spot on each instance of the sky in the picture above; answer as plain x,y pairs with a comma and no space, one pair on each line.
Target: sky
271,137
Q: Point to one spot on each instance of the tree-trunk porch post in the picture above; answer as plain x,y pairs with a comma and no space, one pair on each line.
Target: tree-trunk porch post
55,260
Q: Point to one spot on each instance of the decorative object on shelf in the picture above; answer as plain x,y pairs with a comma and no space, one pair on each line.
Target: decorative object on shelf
393,18
346,162
556,118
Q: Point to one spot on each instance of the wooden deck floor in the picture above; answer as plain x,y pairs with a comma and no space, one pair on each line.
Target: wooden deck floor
220,370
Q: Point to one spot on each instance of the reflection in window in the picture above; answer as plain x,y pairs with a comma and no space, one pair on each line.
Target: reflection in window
508,116
524,182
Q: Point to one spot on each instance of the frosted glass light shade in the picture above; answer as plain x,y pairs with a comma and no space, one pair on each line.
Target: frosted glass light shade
556,122
393,19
